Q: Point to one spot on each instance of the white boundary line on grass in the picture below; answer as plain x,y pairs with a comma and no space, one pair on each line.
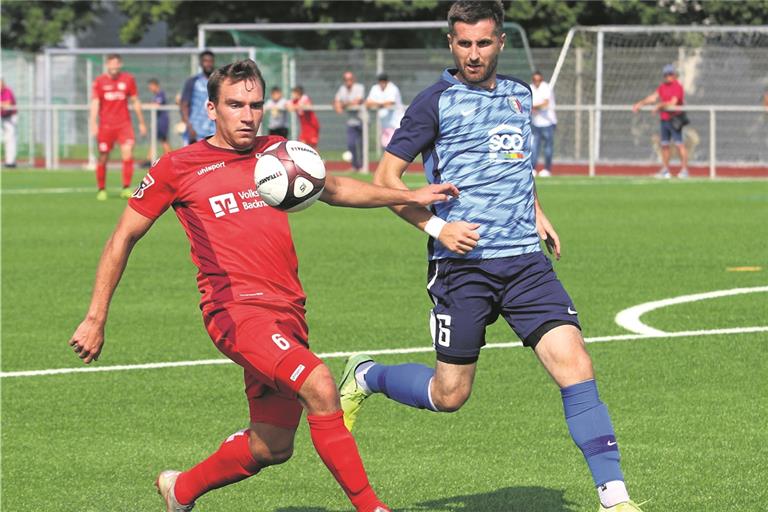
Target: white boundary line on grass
337,355
629,318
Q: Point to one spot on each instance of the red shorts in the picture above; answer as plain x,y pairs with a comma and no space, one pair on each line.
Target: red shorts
111,133
271,346
309,135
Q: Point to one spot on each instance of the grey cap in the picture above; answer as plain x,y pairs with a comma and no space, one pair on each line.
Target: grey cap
669,69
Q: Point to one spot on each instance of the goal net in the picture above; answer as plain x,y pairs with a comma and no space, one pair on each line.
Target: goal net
612,67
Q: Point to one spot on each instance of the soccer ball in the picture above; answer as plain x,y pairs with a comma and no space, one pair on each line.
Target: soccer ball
347,156
289,175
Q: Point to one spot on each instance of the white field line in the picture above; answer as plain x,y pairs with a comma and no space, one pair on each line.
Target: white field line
629,318
25,191
337,355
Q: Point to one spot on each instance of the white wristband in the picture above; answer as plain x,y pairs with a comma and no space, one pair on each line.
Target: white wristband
434,226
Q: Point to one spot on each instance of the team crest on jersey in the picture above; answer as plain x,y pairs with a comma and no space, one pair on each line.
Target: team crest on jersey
121,86
515,104
146,182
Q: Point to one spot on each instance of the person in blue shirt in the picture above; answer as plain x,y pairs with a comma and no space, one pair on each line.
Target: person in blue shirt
159,99
473,129
194,97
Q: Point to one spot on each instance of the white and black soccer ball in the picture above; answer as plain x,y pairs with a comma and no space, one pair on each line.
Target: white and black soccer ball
289,175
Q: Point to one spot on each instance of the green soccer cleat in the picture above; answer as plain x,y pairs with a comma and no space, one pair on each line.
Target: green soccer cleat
126,193
101,195
352,396
627,506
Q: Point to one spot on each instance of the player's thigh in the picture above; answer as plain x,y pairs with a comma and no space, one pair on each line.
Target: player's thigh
563,354
279,410
270,344
534,300
465,302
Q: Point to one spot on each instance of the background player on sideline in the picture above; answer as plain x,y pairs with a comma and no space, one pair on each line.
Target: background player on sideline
309,125
194,97
477,125
110,95
252,300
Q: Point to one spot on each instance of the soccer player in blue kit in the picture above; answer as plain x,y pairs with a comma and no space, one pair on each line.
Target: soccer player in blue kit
473,128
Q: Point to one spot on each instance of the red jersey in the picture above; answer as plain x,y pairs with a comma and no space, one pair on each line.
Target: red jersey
241,246
667,91
113,97
307,118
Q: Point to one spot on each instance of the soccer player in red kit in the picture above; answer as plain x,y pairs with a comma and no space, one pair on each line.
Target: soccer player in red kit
109,101
309,126
252,300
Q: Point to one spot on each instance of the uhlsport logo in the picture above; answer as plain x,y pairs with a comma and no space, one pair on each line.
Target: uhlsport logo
223,204
212,167
146,182
506,143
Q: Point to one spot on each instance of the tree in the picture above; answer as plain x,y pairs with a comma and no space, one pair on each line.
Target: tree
31,26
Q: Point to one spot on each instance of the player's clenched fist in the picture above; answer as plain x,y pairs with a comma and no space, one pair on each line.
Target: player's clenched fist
88,340
459,237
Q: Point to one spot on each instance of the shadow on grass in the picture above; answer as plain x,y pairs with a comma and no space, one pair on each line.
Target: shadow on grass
509,499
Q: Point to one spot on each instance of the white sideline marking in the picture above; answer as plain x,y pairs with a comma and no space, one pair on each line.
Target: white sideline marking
629,318
337,355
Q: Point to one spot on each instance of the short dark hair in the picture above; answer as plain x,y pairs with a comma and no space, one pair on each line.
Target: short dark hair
276,89
114,56
537,72
299,89
153,81
471,12
206,53
240,71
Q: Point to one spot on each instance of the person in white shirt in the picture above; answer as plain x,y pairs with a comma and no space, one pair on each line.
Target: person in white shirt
384,97
543,123
348,101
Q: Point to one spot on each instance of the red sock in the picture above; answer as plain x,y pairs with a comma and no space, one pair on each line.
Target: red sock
337,448
127,173
101,176
231,463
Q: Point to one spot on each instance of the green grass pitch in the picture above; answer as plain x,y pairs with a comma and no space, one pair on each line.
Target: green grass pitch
690,412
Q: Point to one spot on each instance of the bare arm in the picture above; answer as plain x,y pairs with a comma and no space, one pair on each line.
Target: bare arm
459,237
92,119
651,98
139,115
545,229
666,105
344,191
88,339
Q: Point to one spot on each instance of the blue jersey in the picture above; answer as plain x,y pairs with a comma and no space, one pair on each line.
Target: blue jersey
480,141
196,94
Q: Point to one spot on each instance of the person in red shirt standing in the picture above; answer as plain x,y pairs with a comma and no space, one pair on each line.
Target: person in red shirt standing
110,95
309,126
669,97
252,300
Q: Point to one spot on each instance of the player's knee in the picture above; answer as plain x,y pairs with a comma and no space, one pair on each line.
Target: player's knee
318,393
270,455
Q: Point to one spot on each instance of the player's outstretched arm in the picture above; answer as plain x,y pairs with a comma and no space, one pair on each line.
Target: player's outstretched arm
344,191
88,338
459,237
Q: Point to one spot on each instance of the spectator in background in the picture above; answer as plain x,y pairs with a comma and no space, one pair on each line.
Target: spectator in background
277,106
669,97
349,99
9,115
159,99
194,98
110,95
765,98
385,97
543,123
309,126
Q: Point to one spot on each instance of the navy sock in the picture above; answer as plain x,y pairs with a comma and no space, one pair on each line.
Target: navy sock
404,383
590,426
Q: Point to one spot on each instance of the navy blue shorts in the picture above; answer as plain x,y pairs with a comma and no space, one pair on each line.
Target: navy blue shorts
669,133
471,294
